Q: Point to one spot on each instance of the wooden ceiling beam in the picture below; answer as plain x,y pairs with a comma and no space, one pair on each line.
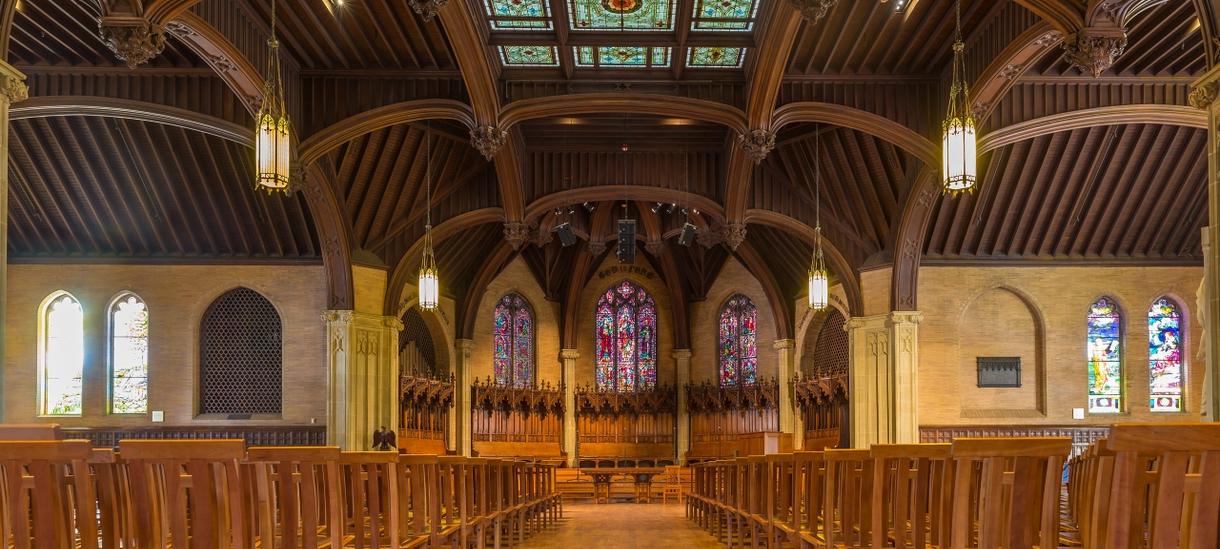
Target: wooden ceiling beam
107,107
1117,115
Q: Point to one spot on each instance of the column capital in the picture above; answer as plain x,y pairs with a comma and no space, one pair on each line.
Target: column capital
343,316
898,318
464,346
569,354
392,322
12,84
1203,90
784,344
682,354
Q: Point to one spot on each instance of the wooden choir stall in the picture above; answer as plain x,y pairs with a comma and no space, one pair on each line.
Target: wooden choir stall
517,421
424,404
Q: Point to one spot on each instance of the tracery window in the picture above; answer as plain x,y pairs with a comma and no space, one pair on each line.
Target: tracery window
62,355
738,339
128,356
513,333
626,338
1105,324
1165,356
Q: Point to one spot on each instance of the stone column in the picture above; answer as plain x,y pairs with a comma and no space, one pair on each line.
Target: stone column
12,90
362,371
882,378
1203,96
785,349
465,436
569,357
682,360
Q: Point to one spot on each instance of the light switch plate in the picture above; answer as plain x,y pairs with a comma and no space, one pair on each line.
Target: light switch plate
1077,413
158,416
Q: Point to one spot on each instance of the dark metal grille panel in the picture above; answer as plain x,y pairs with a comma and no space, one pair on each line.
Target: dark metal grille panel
830,354
241,352
415,330
999,371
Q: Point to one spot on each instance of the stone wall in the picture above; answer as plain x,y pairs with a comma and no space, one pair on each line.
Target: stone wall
176,296
705,323
516,277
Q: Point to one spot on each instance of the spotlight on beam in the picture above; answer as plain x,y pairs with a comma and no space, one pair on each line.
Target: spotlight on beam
566,237
656,207
588,206
673,206
688,235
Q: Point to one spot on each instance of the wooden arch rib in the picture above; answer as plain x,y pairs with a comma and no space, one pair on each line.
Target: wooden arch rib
1065,15
128,109
1169,115
864,121
544,204
998,78
468,309
781,309
407,264
224,58
635,103
406,112
836,260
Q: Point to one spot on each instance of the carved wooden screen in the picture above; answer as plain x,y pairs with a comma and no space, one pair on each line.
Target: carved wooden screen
240,355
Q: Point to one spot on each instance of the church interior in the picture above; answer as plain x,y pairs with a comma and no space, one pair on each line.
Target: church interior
609,273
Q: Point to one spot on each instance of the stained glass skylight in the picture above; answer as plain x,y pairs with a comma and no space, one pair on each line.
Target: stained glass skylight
529,56
715,57
518,14
622,56
724,15
630,15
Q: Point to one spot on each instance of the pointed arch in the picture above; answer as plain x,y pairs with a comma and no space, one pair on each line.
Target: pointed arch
1104,344
513,342
61,355
1165,343
625,338
737,342
127,324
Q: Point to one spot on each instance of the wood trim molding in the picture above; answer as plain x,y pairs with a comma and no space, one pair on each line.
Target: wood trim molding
864,121
128,109
834,257
626,102
468,311
1064,15
544,204
8,8
1170,115
909,239
406,112
334,235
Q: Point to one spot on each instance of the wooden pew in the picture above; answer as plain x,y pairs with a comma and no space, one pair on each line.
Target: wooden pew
1006,491
295,496
1166,486
911,496
369,482
49,500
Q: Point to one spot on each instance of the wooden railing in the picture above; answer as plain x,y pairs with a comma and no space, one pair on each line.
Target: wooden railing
290,435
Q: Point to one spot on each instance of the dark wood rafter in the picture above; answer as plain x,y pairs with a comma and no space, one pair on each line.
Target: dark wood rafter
70,105
781,308
490,266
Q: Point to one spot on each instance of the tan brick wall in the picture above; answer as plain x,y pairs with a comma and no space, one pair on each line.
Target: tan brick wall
516,277
177,296
989,311
369,285
705,323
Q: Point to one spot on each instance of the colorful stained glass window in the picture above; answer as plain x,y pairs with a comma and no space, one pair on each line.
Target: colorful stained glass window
1105,326
513,342
723,15
518,14
529,56
629,15
715,57
625,322
1165,356
62,361
738,342
621,56
128,356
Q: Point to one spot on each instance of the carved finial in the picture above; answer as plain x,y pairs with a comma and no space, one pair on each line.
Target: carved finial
757,143
734,235
1201,97
488,139
1094,52
133,44
427,9
813,10
516,233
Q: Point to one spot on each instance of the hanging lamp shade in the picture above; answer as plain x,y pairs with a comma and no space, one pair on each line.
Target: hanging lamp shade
958,141
429,278
819,278
273,130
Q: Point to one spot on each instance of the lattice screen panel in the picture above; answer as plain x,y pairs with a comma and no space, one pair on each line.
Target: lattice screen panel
416,331
240,355
830,354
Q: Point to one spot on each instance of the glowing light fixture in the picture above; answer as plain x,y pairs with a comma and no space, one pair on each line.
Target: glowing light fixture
273,132
959,160
429,278
819,278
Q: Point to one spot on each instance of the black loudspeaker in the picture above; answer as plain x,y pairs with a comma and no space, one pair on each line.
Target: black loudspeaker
566,237
626,240
688,235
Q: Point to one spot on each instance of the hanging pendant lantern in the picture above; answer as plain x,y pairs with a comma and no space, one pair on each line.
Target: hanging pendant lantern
958,144
273,132
429,277
819,279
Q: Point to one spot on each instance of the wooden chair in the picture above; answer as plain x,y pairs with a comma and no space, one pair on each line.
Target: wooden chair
846,506
48,498
369,481
187,493
911,493
1166,477
1006,491
295,497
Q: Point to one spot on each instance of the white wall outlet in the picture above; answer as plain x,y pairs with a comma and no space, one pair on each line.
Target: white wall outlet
1077,413
158,416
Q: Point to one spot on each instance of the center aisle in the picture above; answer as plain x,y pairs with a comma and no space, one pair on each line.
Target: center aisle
623,526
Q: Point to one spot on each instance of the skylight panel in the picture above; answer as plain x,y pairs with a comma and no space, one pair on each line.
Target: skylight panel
622,56
518,14
715,57
724,15
627,15
529,56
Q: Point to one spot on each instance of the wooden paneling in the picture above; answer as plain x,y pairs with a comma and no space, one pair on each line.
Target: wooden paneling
301,435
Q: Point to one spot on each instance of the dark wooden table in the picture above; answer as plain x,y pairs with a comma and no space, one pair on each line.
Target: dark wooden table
602,479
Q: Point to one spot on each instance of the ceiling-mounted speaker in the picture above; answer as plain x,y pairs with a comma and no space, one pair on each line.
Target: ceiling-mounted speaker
688,235
626,240
566,236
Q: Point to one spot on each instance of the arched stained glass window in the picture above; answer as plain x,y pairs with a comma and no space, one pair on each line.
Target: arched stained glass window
1165,356
626,338
62,367
128,356
513,353
1105,327
738,342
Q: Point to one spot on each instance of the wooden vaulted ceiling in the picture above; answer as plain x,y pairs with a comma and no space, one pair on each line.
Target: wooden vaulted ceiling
859,93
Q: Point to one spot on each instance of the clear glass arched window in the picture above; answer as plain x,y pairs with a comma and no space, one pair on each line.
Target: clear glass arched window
62,354
128,355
